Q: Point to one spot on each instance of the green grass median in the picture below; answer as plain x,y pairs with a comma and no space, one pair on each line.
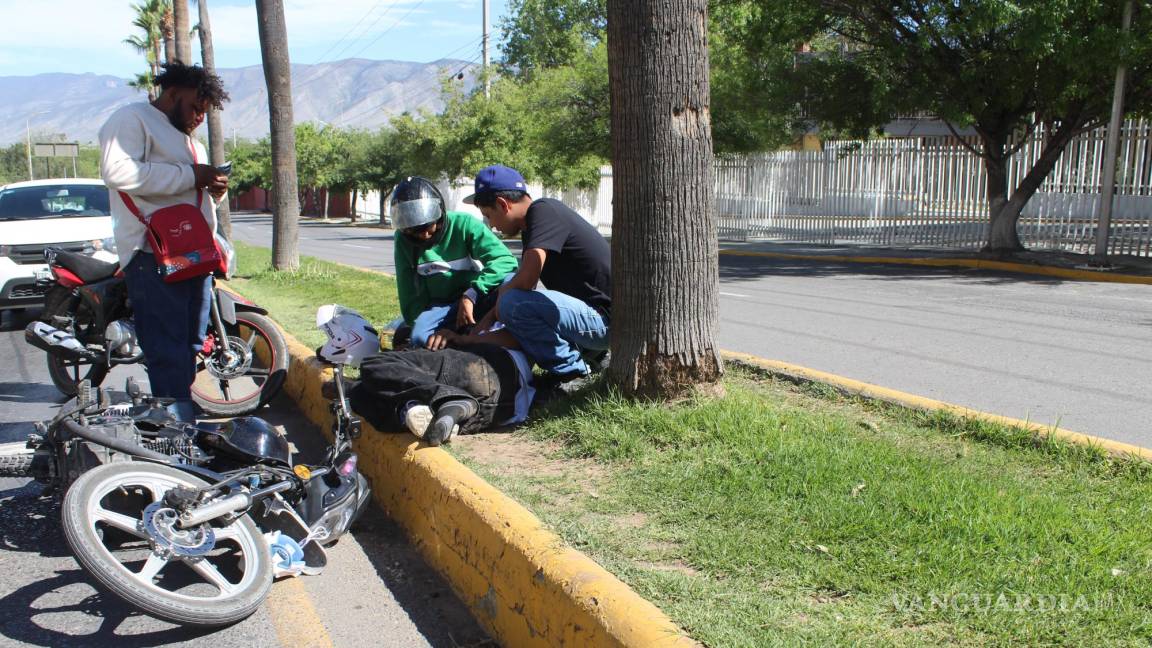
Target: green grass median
787,515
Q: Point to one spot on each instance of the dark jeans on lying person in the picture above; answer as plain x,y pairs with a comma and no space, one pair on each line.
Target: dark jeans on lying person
171,320
484,374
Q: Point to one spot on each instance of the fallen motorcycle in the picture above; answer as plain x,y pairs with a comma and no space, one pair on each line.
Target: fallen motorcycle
190,522
86,329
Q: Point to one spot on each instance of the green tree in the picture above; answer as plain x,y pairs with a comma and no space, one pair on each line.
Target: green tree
150,16
1002,68
543,34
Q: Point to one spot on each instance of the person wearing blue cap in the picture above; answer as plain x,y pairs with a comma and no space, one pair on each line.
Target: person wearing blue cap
569,320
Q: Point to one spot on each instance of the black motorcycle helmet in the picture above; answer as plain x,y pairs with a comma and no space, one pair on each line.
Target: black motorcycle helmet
415,202
249,438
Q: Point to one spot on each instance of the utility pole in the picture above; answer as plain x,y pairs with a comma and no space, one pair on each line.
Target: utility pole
1108,191
28,144
484,46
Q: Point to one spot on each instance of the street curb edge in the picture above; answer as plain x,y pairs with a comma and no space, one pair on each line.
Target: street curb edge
903,399
979,264
522,582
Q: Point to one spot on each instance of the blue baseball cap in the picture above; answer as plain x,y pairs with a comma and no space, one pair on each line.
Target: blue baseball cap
495,178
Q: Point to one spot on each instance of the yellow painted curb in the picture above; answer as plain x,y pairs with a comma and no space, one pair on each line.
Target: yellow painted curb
857,388
524,584
981,264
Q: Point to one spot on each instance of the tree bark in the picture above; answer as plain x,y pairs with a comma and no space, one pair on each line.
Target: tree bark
1004,209
181,26
665,277
215,131
278,77
168,28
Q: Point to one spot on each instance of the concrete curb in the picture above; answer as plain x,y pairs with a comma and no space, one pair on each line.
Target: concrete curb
521,581
981,264
856,388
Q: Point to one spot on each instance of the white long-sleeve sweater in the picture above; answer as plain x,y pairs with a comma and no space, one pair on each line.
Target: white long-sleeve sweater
146,157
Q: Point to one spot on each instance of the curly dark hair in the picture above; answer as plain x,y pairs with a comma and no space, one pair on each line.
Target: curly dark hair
208,86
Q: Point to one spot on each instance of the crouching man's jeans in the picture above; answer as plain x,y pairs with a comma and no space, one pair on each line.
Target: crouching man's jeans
170,320
553,328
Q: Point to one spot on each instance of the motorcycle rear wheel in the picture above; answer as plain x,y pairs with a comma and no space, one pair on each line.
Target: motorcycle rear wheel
226,583
67,374
255,375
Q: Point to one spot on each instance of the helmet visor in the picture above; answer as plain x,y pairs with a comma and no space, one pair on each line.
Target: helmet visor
413,213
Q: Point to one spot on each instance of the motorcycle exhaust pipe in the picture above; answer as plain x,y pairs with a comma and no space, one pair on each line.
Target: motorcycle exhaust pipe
230,504
58,343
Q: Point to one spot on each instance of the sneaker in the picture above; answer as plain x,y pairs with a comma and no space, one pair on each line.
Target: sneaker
563,383
447,423
417,417
598,361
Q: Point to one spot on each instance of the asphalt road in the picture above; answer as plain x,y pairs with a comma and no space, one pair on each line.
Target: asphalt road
376,590
1068,353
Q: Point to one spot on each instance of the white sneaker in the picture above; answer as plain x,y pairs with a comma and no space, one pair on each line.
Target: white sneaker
417,418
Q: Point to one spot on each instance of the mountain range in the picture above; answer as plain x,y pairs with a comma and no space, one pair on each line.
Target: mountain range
352,93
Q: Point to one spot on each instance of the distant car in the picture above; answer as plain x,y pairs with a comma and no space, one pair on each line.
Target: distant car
71,213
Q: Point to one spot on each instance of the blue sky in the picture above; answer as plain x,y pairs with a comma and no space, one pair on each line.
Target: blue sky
78,36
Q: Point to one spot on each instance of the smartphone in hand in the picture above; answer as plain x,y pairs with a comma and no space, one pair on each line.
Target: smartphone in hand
225,168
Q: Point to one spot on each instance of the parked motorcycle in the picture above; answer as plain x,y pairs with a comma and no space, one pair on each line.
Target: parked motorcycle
86,329
190,522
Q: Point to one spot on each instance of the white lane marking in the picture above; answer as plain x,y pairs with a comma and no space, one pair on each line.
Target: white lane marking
362,247
728,294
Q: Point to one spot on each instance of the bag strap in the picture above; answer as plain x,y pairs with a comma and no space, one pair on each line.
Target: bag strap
131,205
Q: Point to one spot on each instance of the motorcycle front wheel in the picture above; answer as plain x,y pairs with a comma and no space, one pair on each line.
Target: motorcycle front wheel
123,534
244,372
73,315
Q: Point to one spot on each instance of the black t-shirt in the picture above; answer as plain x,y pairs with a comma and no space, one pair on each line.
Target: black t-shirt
579,262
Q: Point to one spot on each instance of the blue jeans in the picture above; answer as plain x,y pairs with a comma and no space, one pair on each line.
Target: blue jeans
444,316
553,328
170,319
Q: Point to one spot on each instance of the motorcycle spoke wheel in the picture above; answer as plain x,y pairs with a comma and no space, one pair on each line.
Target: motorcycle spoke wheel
253,377
67,374
205,576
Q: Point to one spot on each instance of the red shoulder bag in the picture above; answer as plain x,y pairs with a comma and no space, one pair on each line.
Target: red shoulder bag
181,239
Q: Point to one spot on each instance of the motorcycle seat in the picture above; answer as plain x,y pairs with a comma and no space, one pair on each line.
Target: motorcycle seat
84,266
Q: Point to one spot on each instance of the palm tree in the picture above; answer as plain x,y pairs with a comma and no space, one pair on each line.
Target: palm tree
215,132
144,81
168,29
149,16
278,77
181,27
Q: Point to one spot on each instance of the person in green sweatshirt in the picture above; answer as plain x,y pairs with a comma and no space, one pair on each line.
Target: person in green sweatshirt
448,264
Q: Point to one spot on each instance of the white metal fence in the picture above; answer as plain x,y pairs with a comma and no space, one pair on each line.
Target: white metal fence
927,191
909,192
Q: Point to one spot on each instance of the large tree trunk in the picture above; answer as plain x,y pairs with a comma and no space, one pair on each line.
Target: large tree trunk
278,76
182,27
215,131
168,29
1005,204
665,277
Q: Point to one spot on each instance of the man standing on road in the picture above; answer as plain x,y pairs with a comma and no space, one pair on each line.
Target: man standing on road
148,152
448,264
563,251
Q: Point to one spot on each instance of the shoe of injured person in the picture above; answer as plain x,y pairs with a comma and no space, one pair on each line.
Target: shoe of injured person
417,417
448,419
